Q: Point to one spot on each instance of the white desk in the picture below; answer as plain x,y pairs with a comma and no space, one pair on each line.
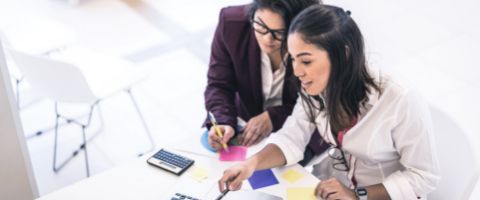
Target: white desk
141,181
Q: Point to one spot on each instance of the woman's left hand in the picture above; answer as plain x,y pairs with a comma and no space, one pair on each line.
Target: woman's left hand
333,189
257,128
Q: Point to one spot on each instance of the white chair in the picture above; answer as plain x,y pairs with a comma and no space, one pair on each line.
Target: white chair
458,163
49,36
79,76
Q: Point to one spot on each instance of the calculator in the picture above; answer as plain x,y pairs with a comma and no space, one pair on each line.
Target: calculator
179,196
170,162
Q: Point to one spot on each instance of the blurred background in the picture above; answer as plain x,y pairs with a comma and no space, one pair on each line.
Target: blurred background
433,45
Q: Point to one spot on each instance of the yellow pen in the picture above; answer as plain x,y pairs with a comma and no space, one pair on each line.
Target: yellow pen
217,130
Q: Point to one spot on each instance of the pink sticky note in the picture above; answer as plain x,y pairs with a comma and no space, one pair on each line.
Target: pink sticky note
235,153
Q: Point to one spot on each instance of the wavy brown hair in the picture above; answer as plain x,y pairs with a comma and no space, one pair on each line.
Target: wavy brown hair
332,29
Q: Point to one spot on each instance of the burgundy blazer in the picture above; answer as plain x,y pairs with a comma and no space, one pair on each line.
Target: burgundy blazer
234,76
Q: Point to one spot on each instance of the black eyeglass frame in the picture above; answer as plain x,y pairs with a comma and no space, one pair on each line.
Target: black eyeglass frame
281,32
341,164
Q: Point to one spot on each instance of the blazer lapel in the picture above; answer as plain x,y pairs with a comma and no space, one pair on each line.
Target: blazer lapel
255,74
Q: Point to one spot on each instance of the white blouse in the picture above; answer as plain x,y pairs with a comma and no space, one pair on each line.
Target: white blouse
392,142
272,82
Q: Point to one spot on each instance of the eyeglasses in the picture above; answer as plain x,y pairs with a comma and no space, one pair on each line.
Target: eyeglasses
338,155
263,29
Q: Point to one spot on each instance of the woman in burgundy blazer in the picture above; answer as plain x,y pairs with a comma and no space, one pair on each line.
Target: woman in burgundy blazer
234,86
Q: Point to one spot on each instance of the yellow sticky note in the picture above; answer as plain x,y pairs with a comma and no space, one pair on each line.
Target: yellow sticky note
199,173
304,193
292,176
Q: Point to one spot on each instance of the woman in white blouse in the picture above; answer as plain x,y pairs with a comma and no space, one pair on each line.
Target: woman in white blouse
381,138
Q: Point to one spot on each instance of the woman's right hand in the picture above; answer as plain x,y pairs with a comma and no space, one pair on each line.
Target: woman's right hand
215,141
234,176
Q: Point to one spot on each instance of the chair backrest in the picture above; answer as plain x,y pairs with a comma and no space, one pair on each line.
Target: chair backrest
60,81
458,160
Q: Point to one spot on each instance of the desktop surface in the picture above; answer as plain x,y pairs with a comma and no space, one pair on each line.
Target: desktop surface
140,180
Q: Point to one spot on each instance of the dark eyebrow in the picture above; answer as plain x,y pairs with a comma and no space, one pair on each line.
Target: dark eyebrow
303,54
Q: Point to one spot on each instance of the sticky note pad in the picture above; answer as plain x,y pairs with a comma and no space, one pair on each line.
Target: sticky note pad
304,193
235,153
262,178
199,173
292,176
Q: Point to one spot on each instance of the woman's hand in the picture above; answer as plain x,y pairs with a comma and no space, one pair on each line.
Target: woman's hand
234,176
257,128
333,189
215,141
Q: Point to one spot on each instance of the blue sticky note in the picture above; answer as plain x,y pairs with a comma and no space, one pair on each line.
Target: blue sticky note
262,178
204,141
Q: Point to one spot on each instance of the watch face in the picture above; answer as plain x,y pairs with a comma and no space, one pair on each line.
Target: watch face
361,192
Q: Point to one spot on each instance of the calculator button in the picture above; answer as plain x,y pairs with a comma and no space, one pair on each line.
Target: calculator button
171,162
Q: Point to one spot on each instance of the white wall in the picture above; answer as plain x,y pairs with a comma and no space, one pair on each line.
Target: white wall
16,178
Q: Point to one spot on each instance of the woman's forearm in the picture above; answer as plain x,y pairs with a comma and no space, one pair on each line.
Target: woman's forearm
270,156
377,191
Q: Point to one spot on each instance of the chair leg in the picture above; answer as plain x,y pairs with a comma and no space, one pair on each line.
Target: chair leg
93,135
42,131
57,116
84,146
142,119
17,88
55,145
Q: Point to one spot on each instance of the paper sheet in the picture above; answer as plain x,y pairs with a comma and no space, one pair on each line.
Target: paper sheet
304,193
292,176
235,153
262,178
199,173
188,186
247,195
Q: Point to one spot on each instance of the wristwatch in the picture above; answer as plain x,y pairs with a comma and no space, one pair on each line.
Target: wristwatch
361,193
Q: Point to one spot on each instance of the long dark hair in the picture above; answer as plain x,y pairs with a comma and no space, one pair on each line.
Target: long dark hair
288,9
332,29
